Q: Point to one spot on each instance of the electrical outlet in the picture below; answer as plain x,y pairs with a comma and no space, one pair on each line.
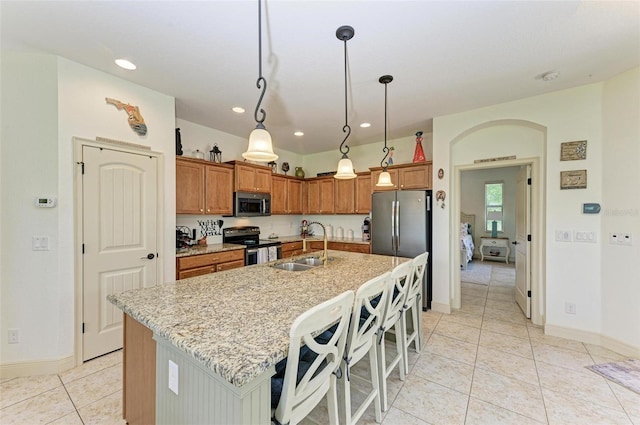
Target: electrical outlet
173,377
569,308
14,336
620,239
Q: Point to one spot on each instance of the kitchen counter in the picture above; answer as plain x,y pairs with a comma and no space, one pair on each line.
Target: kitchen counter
215,339
207,249
236,323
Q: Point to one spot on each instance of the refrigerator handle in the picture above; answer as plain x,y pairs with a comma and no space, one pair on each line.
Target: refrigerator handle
393,225
397,225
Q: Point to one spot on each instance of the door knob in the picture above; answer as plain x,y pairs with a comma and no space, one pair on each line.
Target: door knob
515,242
148,257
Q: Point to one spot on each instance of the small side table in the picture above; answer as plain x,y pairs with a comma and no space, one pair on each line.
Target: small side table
489,242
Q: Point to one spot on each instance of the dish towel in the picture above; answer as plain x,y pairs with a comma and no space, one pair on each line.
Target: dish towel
263,255
273,253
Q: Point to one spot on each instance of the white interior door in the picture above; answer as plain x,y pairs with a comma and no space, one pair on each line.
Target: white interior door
119,227
523,230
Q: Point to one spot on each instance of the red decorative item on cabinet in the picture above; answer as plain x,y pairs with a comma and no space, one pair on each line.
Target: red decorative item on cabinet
418,155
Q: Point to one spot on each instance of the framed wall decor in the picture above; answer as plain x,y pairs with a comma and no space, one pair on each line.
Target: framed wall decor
575,179
571,151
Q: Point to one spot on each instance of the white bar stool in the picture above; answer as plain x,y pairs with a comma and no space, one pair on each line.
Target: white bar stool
413,305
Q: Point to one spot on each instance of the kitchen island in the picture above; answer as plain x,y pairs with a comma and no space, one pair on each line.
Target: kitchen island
219,336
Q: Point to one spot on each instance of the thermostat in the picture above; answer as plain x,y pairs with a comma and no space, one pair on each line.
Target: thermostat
45,202
590,208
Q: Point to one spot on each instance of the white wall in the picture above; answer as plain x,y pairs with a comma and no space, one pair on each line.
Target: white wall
48,101
32,297
621,208
573,270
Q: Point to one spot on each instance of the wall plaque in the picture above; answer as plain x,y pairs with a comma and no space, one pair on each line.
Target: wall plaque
575,179
571,151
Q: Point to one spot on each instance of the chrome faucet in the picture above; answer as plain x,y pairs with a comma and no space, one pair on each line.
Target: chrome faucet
324,257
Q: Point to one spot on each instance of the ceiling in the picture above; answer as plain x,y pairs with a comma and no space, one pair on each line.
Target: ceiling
445,56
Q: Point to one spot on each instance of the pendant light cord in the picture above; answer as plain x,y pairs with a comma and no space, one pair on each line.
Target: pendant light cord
261,83
385,79
346,128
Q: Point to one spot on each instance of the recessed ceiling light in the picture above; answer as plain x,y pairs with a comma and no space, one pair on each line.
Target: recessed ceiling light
550,76
365,125
238,110
298,133
123,63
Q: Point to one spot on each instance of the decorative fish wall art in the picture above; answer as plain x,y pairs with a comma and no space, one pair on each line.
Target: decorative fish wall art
135,117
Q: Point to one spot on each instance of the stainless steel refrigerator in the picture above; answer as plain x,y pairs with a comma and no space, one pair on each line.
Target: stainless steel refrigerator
401,226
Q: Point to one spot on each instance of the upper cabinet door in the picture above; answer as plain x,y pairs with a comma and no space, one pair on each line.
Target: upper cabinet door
294,196
189,187
363,193
417,177
252,178
219,190
278,195
344,191
263,180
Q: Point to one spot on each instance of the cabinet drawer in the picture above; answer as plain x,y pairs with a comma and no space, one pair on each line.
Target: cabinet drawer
293,253
230,265
209,259
196,272
351,247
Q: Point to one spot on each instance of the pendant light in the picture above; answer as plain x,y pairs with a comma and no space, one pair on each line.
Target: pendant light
260,148
345,166
384,180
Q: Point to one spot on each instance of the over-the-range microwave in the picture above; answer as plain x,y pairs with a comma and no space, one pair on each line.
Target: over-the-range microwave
251,204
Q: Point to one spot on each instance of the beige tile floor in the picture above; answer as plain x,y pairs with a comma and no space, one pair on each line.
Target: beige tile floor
482,364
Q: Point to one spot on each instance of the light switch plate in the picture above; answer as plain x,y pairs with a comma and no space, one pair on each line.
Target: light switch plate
173,377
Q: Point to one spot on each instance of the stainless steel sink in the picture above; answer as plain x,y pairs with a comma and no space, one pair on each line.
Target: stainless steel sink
293,267
313,261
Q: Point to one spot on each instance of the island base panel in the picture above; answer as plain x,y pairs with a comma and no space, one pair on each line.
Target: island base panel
205,397
139,364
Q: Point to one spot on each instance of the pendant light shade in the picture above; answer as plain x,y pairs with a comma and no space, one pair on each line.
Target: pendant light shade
345,166
260,147
384,180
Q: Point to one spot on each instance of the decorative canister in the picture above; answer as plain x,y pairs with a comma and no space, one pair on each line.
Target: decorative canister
350,234
339,232
197,154
299,172
329,229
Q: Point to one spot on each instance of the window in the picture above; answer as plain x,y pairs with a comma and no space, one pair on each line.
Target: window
493,205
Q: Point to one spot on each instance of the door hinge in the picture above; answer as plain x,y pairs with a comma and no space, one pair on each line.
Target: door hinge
82,327
528,238
81,165
529,181
83,248
529,294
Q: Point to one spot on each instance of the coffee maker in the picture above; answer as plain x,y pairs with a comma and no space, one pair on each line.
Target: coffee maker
366,229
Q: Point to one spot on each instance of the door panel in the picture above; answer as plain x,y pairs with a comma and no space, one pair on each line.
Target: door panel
381,231
412,237
523,220
119,229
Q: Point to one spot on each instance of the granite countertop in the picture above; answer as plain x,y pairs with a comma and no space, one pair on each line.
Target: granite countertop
207,249
237,322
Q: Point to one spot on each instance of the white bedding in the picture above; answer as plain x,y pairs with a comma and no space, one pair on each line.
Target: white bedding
466,241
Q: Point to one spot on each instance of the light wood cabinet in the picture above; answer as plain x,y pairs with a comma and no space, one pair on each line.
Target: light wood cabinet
286,195
291,249
363,193
313,246
203,187
344,193
197,265
405,176
320,196
251,177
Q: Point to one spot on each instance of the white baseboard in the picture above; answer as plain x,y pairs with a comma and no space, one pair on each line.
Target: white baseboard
593,338
440,307
38,367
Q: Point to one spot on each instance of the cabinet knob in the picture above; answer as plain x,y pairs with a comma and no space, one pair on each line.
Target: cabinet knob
208,210
200,209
